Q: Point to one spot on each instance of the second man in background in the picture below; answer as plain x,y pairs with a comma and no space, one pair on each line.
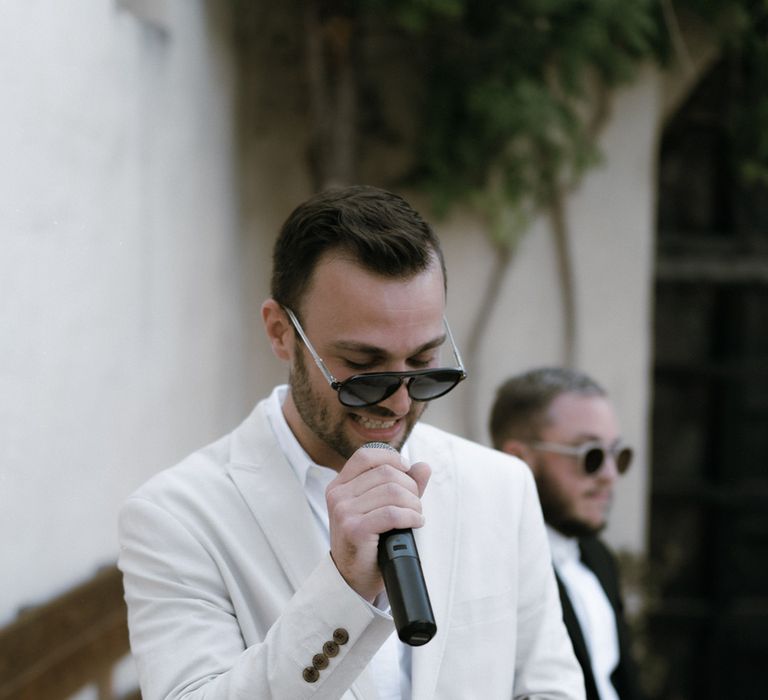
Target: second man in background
563,425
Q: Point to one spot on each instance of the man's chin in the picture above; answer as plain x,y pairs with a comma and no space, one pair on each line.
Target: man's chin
578,528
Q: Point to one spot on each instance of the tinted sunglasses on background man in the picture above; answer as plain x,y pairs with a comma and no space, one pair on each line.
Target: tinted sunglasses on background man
371,388
591,455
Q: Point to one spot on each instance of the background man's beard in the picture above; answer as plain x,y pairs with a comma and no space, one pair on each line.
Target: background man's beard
556,515
571,527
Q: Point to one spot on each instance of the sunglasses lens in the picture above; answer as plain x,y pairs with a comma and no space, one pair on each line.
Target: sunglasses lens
370,389
426,387
623,459
593,459
366,390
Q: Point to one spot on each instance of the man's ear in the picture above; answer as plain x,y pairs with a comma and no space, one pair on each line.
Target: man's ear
279,329
521,450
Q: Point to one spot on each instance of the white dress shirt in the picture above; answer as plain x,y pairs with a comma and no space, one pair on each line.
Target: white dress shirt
592,607
392,663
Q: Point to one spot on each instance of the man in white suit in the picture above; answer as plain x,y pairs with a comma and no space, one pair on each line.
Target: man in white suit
251,569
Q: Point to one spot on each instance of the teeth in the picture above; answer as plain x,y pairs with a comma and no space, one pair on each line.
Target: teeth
373,424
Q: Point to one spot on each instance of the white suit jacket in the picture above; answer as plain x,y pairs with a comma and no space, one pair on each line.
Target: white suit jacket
231,590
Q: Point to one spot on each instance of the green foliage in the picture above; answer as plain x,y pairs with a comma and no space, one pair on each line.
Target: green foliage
515,92
512,93
750,126
742,28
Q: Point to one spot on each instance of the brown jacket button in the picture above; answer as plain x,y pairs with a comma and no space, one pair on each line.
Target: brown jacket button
330,649
320,661
310,674
340,636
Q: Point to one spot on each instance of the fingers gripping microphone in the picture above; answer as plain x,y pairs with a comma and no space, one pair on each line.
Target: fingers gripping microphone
404,580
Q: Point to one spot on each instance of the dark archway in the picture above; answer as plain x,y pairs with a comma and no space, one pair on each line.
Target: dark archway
708,625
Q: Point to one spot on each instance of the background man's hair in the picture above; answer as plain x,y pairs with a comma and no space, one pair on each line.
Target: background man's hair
377,229
520,409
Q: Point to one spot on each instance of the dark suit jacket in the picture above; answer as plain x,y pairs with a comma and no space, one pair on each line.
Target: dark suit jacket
596,556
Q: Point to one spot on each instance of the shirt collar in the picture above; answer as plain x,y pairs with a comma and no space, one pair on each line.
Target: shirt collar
564,549
295,454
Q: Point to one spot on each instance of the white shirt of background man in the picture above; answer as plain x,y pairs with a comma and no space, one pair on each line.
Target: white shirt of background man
593,610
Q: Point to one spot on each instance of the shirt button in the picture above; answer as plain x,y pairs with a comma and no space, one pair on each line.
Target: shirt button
330,649
310,674
320,661
340,636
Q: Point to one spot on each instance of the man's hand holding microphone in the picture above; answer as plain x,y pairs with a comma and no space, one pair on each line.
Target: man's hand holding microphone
373,504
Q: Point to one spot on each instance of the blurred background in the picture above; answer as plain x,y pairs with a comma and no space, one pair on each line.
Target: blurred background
596,170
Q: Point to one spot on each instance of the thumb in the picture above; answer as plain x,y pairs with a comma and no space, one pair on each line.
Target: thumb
420,473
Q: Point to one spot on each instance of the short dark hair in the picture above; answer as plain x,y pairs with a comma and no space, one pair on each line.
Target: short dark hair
380,230
520,408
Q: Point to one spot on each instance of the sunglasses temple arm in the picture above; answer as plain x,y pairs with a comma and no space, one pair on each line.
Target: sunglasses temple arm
318,360
453,345
558,449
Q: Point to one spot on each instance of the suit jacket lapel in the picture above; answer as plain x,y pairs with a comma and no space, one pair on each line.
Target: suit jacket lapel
599,567
278,503
577,640
599,562
571,621
436,542
276,498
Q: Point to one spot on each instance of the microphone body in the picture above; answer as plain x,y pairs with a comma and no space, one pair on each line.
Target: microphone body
404,582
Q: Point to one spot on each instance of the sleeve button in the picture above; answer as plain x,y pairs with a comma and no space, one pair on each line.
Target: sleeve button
310,674
340,636
330,649
320,661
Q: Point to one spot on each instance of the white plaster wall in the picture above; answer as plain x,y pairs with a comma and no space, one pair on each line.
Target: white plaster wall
121,306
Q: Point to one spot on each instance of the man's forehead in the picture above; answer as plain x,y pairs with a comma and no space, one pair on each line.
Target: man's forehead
369,348
343,287
583,415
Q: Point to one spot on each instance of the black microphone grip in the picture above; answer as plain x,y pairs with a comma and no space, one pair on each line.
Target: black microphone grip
404,581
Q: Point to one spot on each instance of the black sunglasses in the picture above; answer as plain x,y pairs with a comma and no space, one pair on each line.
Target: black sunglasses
370,388
591,455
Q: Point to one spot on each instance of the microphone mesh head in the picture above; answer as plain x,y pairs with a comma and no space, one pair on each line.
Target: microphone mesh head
380,445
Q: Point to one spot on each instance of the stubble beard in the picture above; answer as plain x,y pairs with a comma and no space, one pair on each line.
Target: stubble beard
316,415
314,411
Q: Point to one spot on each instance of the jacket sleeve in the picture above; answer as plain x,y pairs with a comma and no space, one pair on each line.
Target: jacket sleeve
185,635
546,666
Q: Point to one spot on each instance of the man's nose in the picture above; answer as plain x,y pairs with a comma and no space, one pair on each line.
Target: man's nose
609,469
400,402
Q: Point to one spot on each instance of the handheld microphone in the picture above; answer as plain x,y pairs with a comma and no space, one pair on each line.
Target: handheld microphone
404,581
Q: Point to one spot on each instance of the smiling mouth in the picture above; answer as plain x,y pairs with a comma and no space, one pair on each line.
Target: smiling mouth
374,423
